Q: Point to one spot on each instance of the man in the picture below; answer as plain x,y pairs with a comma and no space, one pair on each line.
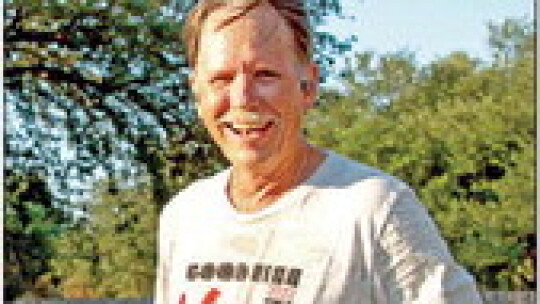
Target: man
288,222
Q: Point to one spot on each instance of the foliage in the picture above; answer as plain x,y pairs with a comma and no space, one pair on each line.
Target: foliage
30,223
102,77
111,250
461,133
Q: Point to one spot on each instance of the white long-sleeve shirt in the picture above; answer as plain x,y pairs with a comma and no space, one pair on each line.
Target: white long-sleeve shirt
349,234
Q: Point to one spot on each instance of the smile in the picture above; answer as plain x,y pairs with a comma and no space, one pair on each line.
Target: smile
248,128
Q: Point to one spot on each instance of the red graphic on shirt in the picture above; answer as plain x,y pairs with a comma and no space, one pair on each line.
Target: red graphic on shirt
210,297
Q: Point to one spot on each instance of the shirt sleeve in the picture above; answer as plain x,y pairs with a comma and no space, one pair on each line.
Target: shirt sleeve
414,264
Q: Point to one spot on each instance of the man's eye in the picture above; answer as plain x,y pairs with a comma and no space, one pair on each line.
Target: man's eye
266,74
219,80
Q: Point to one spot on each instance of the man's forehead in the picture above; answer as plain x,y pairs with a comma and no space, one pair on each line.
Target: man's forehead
264,22
260,32
238,8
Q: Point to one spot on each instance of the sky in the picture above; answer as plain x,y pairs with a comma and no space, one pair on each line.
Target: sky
429,28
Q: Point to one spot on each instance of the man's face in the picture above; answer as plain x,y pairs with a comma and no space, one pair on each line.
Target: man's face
247,82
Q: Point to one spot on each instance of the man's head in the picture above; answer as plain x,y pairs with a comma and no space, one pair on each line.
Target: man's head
253,76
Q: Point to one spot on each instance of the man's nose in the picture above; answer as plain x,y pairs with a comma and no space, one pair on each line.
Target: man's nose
243,92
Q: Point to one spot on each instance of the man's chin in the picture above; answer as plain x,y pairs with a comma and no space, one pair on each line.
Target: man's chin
247,159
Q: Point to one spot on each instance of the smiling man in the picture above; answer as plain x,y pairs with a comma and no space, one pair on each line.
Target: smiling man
287,222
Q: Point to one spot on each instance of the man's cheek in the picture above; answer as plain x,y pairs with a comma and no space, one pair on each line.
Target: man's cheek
268,91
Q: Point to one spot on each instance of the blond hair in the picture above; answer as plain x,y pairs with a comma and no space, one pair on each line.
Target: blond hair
292,11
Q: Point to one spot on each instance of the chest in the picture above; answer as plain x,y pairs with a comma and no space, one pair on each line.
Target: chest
270,261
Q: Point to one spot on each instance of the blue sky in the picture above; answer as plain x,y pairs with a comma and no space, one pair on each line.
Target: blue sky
430,28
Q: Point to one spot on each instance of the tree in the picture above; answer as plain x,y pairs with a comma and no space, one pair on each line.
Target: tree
102,77
460,132
111,250
31,222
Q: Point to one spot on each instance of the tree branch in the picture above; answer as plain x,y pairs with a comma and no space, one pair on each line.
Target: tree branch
74,77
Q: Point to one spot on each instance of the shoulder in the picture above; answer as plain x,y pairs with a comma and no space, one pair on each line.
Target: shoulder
364,190
367,183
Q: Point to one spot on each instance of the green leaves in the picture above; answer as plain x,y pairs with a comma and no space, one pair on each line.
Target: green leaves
112,247
31,223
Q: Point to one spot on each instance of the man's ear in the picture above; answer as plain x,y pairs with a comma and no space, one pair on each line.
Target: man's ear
309,84
193,84
195,91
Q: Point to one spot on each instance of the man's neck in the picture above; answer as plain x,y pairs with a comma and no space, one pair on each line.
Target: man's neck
252,189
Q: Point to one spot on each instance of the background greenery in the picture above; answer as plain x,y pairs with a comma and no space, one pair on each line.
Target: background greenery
101,132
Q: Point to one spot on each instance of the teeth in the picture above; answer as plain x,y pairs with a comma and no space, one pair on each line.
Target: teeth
238,119
248,126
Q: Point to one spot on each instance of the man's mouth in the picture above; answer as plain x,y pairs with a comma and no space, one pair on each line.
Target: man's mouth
248,128
247,125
